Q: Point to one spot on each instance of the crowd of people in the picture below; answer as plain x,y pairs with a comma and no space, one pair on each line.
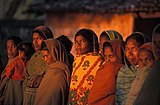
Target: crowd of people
104,71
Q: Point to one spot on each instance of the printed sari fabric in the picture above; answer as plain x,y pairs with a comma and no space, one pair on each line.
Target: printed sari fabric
84,71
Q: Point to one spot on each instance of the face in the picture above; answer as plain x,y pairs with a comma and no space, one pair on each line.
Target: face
37,41
102,40
47,57
81,45
109,55
131,49
145,59
11,49
156,46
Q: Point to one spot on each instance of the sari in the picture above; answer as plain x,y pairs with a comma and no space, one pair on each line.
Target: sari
54,87
104,87
84,70
112,35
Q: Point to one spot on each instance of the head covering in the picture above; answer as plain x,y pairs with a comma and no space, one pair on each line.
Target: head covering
57,50
146,37
147,46
44,32
91,38
136,36
112,35
118,49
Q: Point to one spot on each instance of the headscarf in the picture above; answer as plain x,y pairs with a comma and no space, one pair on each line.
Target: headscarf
118,48
146,37
44,32
147,46
112,35
91,38
57,50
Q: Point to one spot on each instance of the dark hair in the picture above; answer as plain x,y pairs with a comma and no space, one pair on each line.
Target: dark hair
67,43
44,32
16,39
91,38
136,36
27,48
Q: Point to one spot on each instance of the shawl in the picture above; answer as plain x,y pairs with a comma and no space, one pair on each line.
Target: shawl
55,83
43,31
54,87
104,87
82,79
137,84
118,48
112,35
151,86
126,76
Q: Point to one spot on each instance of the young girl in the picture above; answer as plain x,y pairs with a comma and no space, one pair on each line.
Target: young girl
108,35
104,87
14,74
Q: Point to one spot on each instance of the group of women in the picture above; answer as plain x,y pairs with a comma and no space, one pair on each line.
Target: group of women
108,71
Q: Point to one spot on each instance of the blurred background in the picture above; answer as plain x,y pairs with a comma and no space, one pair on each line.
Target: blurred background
19,17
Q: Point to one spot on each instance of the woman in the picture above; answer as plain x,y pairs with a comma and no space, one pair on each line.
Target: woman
127,73
108,35
145,63
150,91
104,87
54,87
85,66
13,75
36,67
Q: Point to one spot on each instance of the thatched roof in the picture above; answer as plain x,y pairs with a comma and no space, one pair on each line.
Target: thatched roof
96,6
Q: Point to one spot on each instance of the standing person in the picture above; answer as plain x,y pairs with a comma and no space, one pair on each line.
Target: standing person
150,91
127,73
85,66
13,74
54,87
108,35
67,43
145,63
104,87
36,67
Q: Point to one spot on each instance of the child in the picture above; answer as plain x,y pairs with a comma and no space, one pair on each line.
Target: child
13,75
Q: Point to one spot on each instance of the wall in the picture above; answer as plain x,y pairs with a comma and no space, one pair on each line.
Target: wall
70,23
